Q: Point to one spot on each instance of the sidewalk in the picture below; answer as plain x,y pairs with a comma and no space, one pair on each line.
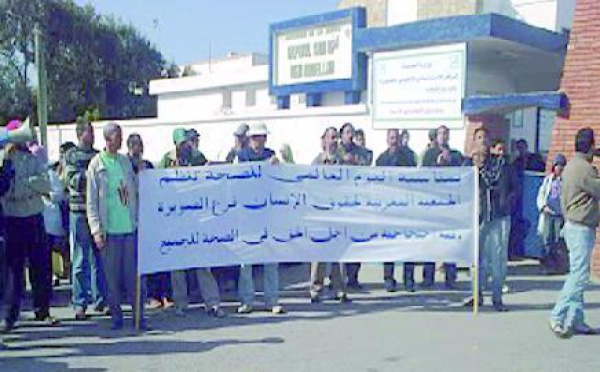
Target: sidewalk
379,331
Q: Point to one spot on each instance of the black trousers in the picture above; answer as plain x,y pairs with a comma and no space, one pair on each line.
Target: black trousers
26,240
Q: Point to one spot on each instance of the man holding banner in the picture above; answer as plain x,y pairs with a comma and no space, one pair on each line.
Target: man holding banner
397,155
258,152
183,156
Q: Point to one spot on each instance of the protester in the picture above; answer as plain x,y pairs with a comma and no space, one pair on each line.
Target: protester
351,154
241,142
285,152
183,156
551,220
497,186
398,154
26,236
527,161
87,270
158,284
7,174
440,155
256,151
361,141
432,135
111,206
579,198
194,138
328,156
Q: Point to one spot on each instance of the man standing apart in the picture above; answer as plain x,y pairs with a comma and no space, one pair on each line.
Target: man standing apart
87,271
112,216
580,195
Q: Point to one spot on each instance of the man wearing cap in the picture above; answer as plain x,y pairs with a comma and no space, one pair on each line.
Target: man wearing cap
579,198
256,151
241,142
194,138
183,156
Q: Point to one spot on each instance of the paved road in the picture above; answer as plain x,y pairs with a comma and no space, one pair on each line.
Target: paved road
425,331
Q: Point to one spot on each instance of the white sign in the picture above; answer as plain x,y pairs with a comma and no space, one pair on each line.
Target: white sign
419,88
257,213
316,53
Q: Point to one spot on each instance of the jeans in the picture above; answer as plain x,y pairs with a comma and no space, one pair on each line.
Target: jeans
271,284
317,276
352,270
208,288
408,276
429,273
568,310
89,280
120,260
551,232
493,255
26,240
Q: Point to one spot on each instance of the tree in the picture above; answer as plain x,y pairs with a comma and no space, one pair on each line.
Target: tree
93,62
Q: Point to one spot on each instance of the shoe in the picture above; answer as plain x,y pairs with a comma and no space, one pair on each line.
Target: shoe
80,313
505,289
55,281
315,299
343,298
116,325
450,286
409,286
501,308
469,302
102,309
585,329
354,285
216,312
48,319
245,309
6,326
390,285
559,331
154,304
278,309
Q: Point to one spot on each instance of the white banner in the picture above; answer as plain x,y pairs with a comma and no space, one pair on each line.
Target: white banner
315,53
257,213
419,88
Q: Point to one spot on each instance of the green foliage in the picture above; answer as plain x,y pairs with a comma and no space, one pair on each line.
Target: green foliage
93,62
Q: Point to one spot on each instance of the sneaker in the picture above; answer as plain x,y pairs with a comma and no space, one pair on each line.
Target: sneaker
560,331
80,313
585,329
505,289
390,285
216,312
278,309
245,309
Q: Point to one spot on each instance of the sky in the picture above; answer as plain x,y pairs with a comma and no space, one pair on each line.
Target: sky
185,30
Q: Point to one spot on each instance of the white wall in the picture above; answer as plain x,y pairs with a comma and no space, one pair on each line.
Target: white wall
402,11
549,14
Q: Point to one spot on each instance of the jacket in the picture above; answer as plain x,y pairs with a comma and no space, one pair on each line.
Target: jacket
77,161
97,186
30,183
580,192
542,197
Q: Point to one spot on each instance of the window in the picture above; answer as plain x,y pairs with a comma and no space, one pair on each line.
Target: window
250,98
226,100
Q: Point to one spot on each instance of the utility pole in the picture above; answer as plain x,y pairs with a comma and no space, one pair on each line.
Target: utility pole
42,88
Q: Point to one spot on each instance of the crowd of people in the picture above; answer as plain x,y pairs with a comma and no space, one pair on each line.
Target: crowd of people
85,206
